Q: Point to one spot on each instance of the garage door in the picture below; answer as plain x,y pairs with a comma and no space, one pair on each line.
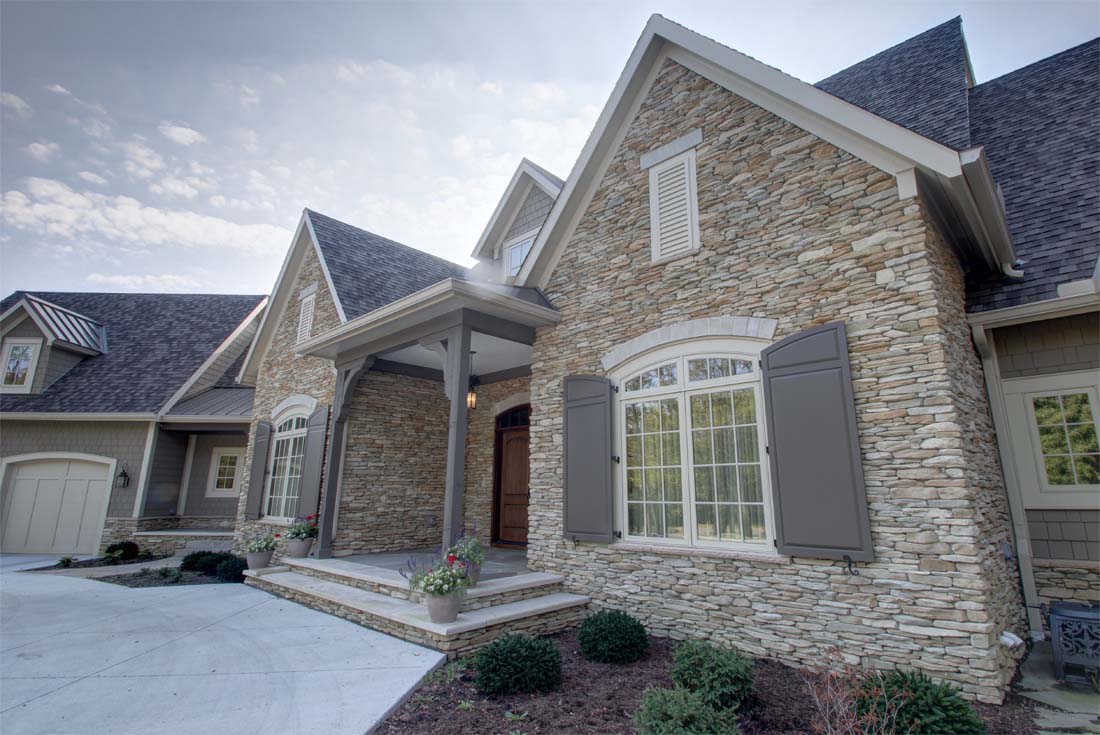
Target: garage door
54,507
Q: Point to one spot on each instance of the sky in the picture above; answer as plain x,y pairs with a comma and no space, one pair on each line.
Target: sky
171,146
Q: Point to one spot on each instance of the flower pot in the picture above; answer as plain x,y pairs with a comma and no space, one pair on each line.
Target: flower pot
298,548
473,573
259,559
443,608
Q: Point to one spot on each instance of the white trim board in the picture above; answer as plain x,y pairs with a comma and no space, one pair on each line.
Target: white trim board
510,202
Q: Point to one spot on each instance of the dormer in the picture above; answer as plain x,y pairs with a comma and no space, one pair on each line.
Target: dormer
507,239
41,341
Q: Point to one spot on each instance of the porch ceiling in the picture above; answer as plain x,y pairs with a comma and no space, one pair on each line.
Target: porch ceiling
492,354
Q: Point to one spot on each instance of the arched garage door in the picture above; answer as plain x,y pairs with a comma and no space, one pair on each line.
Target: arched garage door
54,506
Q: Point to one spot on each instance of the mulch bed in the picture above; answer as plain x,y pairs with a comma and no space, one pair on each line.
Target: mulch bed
152,578
103,561
600,699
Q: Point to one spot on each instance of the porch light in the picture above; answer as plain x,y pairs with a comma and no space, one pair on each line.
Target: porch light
471,393
122,479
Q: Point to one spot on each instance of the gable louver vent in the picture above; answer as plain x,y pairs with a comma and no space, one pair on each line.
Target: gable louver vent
673,208
305,318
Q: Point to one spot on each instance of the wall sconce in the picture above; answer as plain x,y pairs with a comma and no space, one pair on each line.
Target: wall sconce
471,393
122,479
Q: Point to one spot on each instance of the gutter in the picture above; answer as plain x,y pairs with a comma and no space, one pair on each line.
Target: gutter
985,193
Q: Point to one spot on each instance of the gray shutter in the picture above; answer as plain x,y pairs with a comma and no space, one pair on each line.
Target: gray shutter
258,475
314,459
820,499
587,439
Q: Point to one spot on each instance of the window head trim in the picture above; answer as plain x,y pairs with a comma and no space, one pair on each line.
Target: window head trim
9,344
216,455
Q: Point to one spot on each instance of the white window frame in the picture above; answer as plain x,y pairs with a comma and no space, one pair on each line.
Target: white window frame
511,244
216,454
305,317
36,351
276,437
1027,453
742,349
693,207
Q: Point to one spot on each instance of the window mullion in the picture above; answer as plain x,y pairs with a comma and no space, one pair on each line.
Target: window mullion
687,465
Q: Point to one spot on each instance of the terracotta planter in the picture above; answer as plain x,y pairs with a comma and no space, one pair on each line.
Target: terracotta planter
473,573
443,608
259,560
298,548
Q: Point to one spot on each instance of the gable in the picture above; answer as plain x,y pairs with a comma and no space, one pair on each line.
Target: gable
523,207
531,214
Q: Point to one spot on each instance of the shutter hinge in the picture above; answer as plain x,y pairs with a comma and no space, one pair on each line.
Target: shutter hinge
615,459
614,388
767,449
618,534
775,542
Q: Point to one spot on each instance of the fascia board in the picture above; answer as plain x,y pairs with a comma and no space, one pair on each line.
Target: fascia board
983,189
548,186
493,225
1035,311
205,419
328,275
47,332
51,416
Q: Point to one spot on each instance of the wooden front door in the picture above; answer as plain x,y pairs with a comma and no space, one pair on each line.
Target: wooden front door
513,474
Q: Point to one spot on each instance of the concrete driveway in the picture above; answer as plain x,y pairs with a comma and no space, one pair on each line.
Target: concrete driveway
80,656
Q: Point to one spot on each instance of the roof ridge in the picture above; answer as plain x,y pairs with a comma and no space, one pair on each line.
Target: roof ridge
1037,62
957,19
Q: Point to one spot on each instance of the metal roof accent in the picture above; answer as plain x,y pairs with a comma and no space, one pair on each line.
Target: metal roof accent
68,326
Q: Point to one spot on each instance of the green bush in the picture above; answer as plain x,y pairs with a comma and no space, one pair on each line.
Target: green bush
208,565
232,569
682,712
924,707
722,677
123,550
518,663
192,561
612,637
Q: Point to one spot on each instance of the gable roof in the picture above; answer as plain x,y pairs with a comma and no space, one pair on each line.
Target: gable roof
958,185
527,175
61,325
1040,126
920,84
156,342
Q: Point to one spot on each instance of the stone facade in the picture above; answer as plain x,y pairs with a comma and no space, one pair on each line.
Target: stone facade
795,230
1060,581
283,375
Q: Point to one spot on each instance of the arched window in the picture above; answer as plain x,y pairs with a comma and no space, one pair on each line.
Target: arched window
693,469
285,472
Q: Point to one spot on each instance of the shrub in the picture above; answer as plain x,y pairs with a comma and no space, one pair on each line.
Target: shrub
232,569
720,676
208,565
65,562
518,663
192,561
612,637
927,707
682,712
124,550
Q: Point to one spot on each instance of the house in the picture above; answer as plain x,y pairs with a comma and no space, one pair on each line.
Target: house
120,419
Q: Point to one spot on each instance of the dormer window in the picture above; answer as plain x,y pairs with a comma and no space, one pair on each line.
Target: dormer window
515,252
20,360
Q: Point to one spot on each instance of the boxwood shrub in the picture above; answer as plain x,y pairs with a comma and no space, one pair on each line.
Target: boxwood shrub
232,569
124,550
192,561
721,677
680,711
518,663
612,637
927,707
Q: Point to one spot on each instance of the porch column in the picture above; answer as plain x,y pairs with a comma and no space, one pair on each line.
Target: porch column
347,378
457,370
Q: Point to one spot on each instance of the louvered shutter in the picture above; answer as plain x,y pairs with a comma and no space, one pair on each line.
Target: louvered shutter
673,207
587,439
257,477
813,443
314,459
305,317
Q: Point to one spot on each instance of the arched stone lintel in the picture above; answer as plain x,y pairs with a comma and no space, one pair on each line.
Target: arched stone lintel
715,326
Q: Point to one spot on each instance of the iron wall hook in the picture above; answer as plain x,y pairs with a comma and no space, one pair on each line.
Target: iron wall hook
851,568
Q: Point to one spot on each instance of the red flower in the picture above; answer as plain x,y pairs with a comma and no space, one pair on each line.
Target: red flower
451,559
309,518
278,535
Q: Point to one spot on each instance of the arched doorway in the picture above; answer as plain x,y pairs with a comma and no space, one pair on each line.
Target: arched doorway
511,486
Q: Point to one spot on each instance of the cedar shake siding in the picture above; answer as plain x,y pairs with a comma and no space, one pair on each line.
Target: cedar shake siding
795,230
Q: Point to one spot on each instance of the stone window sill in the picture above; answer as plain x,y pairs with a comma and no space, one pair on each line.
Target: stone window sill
1066,564
738,554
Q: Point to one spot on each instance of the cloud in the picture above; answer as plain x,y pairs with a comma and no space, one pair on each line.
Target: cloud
542,97
48,207
40,151
95,127
92,178
16,104
376,70
494,88
58,89
141,160
162,283
249,140
249,96
171,186
180,134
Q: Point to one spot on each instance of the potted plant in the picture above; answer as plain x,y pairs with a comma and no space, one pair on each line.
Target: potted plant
442,586
299,537
471,553
259,549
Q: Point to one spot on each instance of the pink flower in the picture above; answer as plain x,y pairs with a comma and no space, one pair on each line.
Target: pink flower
278,535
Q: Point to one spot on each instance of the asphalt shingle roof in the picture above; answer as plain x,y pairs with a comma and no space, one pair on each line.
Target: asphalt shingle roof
155,342
920,84
369,271
1040,126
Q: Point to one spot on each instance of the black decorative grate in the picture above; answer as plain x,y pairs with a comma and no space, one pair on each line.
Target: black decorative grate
1075,637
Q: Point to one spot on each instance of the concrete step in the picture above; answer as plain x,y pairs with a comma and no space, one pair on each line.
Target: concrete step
409,620
487,593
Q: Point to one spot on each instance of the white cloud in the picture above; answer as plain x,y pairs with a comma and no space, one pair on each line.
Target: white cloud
58,89
494,88
95,127
249,140
92,178
377,70
162,283
171,186
16,104
141,160
40,151
180,134
49,207
543,97
249,96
